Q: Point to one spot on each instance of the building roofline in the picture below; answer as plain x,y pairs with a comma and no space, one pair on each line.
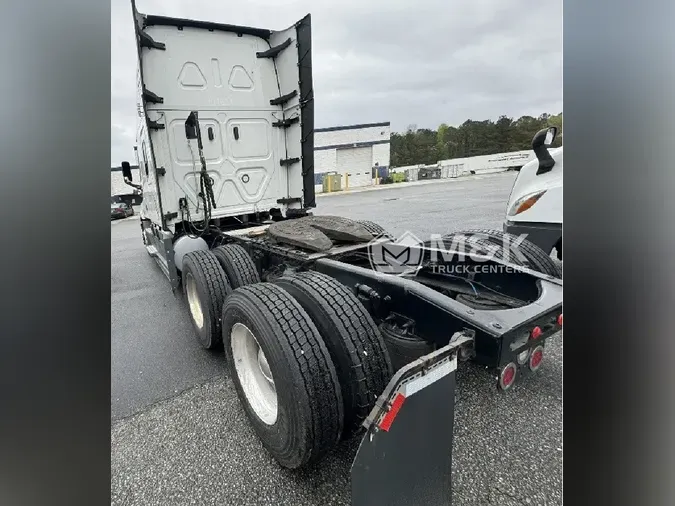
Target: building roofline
353,127
349,145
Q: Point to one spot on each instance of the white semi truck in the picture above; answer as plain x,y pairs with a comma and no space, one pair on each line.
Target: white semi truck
535,204
318,342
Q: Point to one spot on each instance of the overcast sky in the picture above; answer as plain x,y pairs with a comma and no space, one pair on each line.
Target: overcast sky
422,62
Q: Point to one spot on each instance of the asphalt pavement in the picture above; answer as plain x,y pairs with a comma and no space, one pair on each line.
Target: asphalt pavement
179,435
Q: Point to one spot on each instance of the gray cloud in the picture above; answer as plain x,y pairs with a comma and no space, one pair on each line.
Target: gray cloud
423,62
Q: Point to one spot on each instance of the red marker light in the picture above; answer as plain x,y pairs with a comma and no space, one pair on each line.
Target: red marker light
536,358
388,419
536,333
560,320
507,376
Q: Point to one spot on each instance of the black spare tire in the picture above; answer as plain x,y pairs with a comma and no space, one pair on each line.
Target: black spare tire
528,255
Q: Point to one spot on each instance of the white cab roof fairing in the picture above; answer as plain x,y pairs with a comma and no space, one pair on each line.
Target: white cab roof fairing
253,91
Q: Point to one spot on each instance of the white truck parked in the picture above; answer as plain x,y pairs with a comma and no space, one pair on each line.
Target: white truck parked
317,341
535,203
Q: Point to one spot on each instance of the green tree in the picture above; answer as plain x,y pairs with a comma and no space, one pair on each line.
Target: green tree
471,138
440,140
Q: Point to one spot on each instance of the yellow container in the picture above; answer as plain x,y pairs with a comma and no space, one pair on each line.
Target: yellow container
332,182
398,177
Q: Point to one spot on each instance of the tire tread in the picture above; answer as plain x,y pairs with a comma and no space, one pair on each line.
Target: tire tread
371,367
207,271
304,348
374,228
541,261
237,264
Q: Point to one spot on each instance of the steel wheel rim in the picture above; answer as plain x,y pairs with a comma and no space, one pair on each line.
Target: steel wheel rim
193,300
254,374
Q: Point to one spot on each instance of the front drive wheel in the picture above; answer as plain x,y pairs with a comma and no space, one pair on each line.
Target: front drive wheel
205,287
283,374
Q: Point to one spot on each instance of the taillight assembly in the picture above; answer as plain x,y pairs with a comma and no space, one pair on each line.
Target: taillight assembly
536,333
536,358
507,376
560,319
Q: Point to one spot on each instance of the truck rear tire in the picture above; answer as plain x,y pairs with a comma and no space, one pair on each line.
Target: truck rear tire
354,342
374,228
283,374
538,259
237,264
205,287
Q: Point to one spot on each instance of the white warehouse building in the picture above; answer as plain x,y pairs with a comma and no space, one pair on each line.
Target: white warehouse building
351,151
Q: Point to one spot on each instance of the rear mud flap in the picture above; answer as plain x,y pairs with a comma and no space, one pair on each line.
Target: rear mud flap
405,458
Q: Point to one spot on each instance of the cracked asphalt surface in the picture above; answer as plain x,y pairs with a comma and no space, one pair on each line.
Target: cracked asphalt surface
179,435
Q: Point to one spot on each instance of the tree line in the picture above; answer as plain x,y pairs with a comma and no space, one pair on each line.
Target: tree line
471,138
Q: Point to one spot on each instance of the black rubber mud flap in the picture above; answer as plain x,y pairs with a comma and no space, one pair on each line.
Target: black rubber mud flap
405,456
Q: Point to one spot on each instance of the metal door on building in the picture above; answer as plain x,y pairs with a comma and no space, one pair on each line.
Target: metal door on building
355,165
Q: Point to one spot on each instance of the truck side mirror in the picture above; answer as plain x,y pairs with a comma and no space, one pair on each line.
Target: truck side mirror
126,171
540,143
544,137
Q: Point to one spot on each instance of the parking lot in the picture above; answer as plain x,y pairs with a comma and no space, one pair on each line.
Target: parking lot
179,435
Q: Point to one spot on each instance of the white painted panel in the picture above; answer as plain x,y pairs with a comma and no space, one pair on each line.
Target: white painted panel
325,160
202,69
381,154
380,134
218,74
